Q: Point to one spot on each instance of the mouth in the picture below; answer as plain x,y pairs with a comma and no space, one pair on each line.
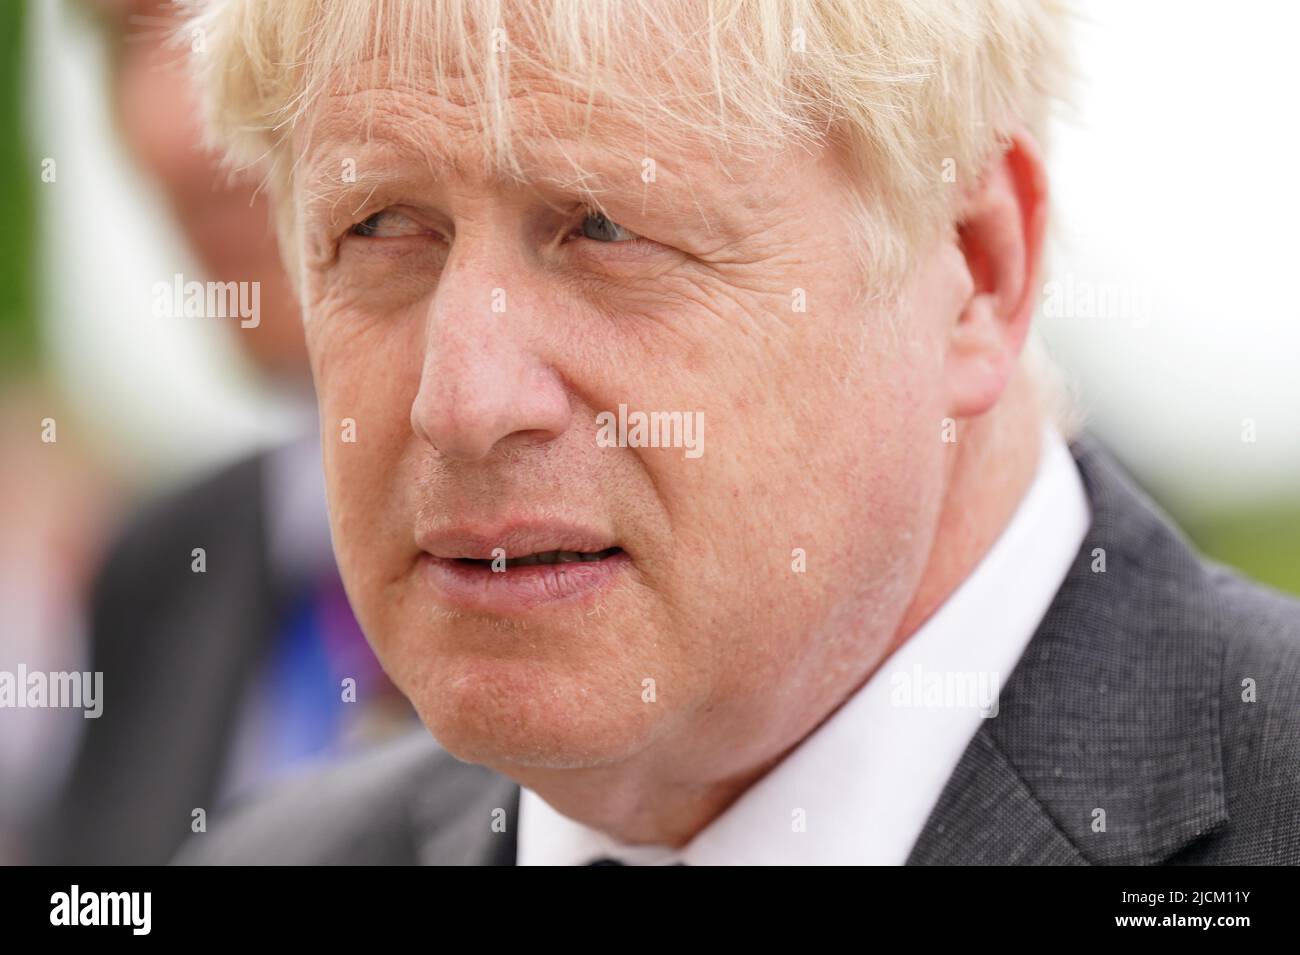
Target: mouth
543,557
520,569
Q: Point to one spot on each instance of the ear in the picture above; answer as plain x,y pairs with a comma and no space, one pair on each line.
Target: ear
1001,229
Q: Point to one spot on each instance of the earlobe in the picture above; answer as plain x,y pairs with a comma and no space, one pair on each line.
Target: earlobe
1000,236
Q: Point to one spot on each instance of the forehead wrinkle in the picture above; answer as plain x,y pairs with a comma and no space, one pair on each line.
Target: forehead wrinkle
383,136
419,127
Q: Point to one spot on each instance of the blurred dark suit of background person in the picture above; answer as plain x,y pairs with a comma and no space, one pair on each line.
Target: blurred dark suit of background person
215,681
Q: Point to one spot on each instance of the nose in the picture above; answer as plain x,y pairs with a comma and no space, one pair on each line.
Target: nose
482,381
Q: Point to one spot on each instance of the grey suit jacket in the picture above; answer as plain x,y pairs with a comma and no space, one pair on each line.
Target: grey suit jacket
1134,698
178,650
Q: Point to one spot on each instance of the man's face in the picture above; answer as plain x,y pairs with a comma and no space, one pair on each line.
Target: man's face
468,335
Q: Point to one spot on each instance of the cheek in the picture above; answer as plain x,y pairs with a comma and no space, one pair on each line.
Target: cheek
366,376
367,368
819,438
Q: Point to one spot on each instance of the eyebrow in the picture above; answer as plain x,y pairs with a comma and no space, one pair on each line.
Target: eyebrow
340,181
329,198
382,164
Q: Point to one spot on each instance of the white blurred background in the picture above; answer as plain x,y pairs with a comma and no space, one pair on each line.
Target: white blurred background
1178,189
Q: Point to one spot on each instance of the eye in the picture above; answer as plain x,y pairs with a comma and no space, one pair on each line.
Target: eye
596,226
387,223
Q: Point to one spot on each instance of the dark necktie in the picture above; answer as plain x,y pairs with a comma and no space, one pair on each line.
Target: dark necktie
606,860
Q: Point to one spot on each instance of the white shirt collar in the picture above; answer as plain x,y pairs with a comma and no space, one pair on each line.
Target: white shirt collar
864,783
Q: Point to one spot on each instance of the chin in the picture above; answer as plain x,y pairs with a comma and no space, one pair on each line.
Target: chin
507,713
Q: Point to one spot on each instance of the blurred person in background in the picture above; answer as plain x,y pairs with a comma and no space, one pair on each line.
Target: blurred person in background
57,494
57,504
220,679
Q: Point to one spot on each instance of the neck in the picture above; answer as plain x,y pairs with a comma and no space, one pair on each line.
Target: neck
1006,443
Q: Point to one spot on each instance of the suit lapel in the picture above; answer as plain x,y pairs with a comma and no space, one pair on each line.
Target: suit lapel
1106,746
987,814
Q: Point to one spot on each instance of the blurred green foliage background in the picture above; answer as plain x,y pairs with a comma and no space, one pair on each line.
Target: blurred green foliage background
19,177
1262,542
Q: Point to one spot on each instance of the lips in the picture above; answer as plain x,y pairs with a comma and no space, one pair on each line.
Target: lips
519,568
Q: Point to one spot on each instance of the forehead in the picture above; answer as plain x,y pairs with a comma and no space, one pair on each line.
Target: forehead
567,92
539,132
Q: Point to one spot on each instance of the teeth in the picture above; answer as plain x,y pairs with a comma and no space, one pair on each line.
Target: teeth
559,557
